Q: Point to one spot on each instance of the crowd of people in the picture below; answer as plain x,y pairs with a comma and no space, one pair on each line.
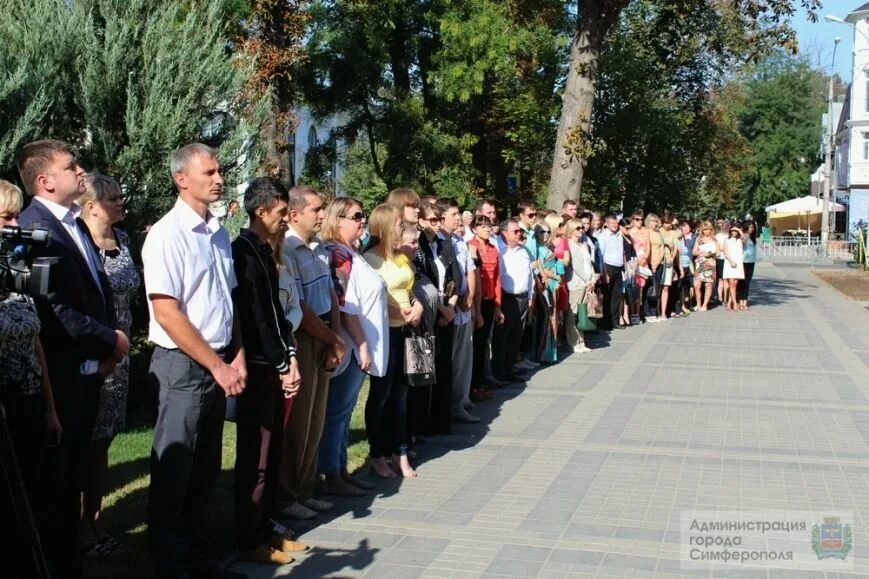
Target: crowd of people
278,328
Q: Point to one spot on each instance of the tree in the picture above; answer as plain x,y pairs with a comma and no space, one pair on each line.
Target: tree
779,107
450,97
270,33
761,24
126,82
661,132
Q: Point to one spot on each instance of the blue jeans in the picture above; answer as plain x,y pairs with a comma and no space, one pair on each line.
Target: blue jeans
343,392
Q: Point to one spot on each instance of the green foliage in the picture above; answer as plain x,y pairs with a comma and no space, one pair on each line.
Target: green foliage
660,139
129,81
359,179
452,96
779,112
317,170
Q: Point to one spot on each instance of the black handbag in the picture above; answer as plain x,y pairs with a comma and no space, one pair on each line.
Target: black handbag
419,357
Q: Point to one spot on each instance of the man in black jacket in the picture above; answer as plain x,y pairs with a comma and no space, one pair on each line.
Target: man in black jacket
273,374
79,335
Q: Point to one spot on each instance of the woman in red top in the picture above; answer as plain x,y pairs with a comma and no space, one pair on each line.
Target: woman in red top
487,310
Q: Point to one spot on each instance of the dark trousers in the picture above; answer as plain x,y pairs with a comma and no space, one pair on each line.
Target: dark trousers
76,398
744,285
481,344
613,296
185,463
386,408
441,393
507,336
259,427
22,438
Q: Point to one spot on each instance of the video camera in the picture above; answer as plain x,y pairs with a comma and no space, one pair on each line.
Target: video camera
18,271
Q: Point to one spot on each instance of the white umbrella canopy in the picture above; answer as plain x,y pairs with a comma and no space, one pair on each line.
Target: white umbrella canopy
807,204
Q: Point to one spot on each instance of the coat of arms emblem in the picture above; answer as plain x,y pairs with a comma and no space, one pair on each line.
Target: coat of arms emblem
831,540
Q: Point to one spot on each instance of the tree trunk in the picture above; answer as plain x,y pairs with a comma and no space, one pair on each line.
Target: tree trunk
276,161
595,18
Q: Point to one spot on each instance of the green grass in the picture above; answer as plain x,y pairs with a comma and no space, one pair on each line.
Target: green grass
125,506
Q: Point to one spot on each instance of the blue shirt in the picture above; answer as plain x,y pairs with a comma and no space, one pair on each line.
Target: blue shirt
749,253
612,246
686,247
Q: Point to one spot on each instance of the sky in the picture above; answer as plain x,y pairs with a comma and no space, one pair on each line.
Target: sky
816,39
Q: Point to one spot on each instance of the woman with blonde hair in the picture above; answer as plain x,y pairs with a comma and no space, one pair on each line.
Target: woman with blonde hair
386,409
705,250
580,278
406,200
362,302
102,206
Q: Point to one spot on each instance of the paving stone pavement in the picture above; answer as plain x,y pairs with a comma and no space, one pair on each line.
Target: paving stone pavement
583,472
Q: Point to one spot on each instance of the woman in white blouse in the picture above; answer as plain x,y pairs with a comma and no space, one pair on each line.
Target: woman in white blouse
364,324
580,278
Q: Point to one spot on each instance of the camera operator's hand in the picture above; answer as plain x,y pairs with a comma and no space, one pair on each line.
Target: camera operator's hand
122,346
53,430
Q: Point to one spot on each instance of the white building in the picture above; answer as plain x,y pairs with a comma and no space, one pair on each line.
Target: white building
851,159
309,133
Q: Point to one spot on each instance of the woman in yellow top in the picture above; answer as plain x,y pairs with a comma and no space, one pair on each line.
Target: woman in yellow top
386,409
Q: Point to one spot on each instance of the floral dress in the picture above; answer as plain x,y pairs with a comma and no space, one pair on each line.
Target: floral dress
705,264
124,279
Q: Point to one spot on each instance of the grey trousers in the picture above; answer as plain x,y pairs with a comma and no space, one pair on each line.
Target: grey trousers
463,363
185,462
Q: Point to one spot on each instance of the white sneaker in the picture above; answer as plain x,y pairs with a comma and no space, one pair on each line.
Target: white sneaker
652,319
578,349
586,349
318,505
297,510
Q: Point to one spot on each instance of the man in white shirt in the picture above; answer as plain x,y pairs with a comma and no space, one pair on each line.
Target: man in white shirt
463,327
198,361
79,336
612,248
517,292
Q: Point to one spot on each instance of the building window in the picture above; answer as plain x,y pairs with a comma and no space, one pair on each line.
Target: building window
312,138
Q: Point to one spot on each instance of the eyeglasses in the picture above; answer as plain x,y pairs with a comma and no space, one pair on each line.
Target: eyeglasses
433,220
358,217
638,219
531,215
545,231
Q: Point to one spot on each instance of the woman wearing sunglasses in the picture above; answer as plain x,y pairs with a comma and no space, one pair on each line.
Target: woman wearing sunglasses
364,322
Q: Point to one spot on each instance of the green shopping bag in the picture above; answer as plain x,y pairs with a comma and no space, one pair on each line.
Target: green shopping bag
583,322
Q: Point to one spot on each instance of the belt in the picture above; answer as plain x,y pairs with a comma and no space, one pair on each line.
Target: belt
518,296
219,351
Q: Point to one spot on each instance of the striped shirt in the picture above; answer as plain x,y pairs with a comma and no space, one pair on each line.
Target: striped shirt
313,276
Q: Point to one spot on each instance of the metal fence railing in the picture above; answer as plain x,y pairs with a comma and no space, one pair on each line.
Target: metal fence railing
793,248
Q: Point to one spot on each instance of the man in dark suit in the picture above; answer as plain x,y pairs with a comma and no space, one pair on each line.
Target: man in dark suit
79,335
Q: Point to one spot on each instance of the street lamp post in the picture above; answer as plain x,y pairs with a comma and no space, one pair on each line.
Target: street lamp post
828,161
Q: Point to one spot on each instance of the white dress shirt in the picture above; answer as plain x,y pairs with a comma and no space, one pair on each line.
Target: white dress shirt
190,259
515,270
67,217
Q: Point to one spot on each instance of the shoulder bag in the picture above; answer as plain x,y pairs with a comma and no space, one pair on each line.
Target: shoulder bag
419,357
